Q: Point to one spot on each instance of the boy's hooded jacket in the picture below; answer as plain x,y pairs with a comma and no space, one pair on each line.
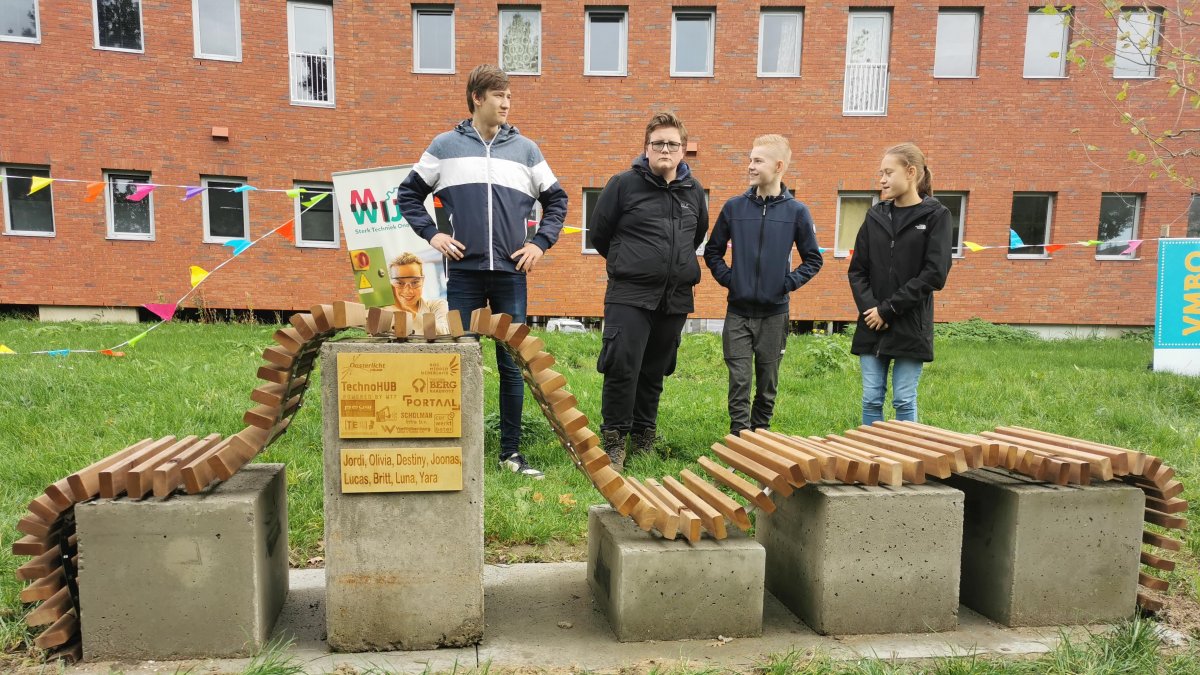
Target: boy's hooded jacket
489,190
648,231
898,273
763,231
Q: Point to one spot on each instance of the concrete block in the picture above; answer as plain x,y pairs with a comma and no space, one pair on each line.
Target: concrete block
404,570
850,559
1037,554
195,576
654,589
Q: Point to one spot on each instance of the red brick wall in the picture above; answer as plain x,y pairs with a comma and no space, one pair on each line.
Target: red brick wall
82,110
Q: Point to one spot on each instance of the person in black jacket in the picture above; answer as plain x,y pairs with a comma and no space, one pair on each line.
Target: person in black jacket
901,256
648,223
762,225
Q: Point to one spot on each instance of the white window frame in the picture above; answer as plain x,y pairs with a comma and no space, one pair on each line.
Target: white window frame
237,33
208,237
712,40
500,38
587,43
978,14
301,242
1049,224
108,206
8,229
1062,48
837,224
96,29
1157,37
962,218
584,219
798,14
1137,223
441,11
37,28
291,31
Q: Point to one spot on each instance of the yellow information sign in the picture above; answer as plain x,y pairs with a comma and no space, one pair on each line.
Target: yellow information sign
401,469
399,395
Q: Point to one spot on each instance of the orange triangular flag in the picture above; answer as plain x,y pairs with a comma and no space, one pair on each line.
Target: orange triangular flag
1051,248
94,190
288,230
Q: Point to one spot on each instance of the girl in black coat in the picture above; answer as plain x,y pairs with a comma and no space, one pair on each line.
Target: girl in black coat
901,256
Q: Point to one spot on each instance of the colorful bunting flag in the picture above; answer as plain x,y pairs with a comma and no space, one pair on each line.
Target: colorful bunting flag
238,245
37,183
164,311
294,193
1014,240
243,188
5,350
1133,246
822,250
973,247
138,338
141,192
192,192
571,230
1051,248
94,190
1089,242
198,274
109,352
59,352
288,230
309,204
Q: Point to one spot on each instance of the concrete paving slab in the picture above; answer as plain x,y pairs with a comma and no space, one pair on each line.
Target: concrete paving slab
527,603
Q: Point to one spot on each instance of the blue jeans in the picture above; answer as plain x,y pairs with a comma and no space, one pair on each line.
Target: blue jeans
504,292
905,374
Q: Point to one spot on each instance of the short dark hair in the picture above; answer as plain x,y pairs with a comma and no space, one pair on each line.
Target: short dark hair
483,79
665,119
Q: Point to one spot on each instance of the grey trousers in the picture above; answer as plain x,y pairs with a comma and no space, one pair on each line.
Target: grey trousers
753,348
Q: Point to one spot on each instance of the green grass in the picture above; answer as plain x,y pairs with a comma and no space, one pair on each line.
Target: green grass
61,413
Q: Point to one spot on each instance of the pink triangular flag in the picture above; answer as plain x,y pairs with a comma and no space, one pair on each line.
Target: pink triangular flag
164,311
141,192
1133,246
94,190
288,230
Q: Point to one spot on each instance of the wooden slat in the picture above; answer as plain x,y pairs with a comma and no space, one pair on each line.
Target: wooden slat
481,321
958,452
736,483
826,461
139,480
1157,562
530,347
45,508
278,356
1101,465
290,339
60,493
607,481
305,327
51,610
349,314
1165,520
500,325
1162,542
41,565
548,380
593,459
540,361
852,468
1171,506
712,519
733,511
242,447
891,472
573,420
1169,491
1120,459
322,317
30,545
59,633
516,335
783,466
810,465
44,587
262,416
428,326
689,522
112,479
34,526
753,469
72,651
85,483
380,320
584,439
454,319
939,465
666,519
1153,583
911,470
979,451
197,474
1148,603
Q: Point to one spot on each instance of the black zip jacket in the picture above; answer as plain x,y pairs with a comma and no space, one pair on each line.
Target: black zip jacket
648,230
898,273
763,231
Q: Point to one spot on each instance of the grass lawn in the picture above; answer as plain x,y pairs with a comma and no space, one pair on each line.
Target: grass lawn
58,414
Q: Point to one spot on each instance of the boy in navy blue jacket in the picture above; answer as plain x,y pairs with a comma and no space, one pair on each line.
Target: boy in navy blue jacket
762,225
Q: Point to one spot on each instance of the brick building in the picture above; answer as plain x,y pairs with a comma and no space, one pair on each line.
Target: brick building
279,95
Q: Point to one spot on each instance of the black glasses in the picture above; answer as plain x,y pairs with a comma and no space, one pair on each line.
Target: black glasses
669,146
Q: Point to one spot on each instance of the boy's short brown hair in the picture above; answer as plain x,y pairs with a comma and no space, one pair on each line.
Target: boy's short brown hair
665,119
483,79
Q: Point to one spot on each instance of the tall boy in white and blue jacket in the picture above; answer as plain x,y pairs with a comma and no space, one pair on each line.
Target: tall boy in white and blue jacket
488,176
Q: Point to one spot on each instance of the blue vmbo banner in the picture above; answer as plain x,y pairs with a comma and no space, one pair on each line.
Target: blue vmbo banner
1177,312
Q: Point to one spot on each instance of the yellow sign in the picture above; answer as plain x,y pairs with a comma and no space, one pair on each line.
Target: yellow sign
401,469
399,395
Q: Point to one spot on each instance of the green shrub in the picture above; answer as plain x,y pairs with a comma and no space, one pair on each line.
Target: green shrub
978,330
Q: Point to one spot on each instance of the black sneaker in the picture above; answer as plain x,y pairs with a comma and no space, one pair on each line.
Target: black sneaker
517,464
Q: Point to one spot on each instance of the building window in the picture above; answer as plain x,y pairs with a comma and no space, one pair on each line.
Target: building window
956,202
19,21
1119,217
433,40
318,223
310,48
867,41
591,196
118,24
226,215
692,44
1137,40
128,219
521,41
217,25
1046,45
779,38
1031,216
24,213
957,51
605,43
852,211
1193,227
